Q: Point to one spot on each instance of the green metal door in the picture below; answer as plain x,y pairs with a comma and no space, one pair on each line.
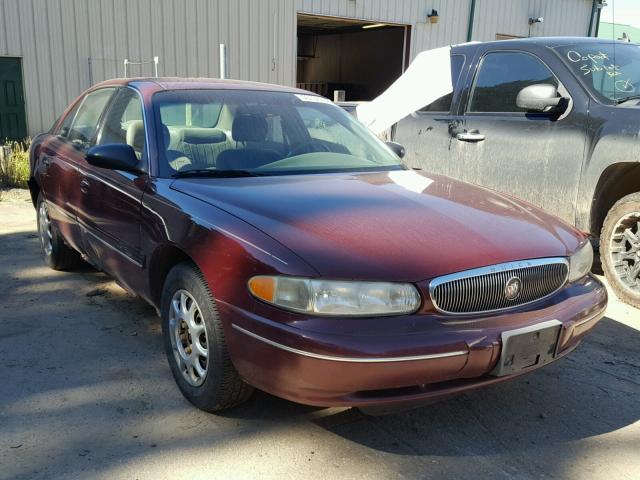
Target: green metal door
13,120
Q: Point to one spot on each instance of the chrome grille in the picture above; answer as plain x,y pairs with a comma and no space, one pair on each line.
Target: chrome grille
483,289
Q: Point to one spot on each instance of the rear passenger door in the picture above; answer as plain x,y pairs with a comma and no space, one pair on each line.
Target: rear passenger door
533,156
426,133
111,199
62,156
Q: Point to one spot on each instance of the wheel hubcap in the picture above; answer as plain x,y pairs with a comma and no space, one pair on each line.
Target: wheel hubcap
44,222
188,337
625,251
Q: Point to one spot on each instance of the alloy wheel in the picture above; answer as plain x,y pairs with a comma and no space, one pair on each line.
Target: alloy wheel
625,251
46,236
188,335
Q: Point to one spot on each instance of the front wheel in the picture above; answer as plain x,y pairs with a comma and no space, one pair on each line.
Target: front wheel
620,248
195,345
57,254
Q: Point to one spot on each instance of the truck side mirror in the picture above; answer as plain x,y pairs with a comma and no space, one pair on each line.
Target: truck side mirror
540,98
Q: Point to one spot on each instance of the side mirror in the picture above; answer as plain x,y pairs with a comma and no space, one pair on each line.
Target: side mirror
540,98
116,156
396,148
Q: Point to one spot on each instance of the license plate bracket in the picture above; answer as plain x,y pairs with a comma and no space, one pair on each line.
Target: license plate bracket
528,348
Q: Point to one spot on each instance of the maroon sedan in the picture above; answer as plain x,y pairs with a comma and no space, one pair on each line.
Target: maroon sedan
287,248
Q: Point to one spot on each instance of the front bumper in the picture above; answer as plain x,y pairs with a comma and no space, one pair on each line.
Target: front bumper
434,355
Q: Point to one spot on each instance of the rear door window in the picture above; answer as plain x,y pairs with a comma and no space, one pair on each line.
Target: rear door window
501,77
84,125
443,104
63,129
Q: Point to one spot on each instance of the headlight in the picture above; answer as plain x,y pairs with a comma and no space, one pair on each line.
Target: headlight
580,262
339,298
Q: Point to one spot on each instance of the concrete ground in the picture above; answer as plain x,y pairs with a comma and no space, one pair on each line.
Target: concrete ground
86,392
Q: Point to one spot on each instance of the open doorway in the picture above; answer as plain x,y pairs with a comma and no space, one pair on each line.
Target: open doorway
360,57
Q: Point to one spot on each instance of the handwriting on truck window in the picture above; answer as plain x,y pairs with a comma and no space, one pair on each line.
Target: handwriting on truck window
625,86
594,62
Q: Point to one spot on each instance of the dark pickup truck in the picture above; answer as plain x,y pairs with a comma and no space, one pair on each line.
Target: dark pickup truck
554,121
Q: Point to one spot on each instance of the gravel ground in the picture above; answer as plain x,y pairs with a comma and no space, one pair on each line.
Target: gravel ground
87,393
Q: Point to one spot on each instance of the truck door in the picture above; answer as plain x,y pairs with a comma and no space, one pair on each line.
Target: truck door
534,156
425,134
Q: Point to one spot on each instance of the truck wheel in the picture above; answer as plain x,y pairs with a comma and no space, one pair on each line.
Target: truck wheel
195,345
57,254
620,249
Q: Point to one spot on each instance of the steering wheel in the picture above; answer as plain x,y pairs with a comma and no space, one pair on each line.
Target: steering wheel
308,147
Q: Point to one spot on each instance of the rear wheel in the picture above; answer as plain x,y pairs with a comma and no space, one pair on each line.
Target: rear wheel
620,248
195,345
57,254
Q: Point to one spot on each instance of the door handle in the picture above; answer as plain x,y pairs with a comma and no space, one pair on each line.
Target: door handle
84,185
46,161
472,136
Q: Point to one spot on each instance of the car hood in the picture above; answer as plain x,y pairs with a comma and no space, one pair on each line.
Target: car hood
398,225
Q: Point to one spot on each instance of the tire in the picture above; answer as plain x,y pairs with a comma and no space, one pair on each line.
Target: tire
55,252
188,309
620,249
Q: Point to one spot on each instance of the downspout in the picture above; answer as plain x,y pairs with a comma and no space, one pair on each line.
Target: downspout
593,14
471,14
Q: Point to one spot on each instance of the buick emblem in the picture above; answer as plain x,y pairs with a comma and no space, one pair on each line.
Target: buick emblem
512,288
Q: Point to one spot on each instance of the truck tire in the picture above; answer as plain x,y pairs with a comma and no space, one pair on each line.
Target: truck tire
195,344
620,248
57,254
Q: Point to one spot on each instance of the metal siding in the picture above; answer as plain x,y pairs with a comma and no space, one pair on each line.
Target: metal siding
56,38
511,17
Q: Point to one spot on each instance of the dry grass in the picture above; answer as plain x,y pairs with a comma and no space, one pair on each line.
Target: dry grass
14,171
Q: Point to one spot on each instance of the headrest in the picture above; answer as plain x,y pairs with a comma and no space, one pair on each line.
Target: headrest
135,135
203,135
166,136
248,127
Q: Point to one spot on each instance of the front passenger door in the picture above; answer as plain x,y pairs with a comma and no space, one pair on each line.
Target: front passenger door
112,200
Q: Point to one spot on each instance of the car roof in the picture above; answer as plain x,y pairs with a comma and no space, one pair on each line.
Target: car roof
183,83
549,42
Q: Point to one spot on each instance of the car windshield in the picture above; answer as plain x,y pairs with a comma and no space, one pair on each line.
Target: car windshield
251,132
611,71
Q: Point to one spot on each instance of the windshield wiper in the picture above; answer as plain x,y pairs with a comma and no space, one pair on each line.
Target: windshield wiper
625,99
203,172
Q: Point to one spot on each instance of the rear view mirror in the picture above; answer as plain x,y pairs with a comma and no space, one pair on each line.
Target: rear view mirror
540,98
116,156
396,148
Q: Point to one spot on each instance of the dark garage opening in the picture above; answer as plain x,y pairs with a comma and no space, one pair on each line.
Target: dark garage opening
361,58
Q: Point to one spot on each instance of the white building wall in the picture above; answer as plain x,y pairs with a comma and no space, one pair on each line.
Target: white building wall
56,38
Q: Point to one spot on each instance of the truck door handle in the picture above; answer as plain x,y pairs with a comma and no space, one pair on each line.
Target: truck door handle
472,136
84,186
46,161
